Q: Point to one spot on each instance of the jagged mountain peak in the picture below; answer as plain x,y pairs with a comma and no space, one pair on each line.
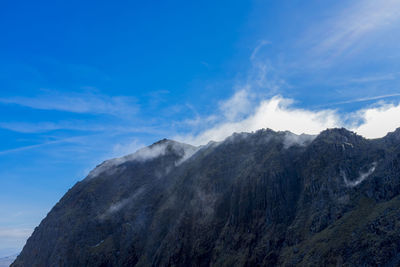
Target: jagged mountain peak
338,137
395,135
335,134
172,146
266,135
165,147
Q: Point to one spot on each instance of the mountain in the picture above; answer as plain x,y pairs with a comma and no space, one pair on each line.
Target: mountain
256,199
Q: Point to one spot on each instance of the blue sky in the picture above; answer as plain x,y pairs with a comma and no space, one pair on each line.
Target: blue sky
81,82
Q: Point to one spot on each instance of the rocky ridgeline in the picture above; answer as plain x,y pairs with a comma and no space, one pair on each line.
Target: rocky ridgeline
265,198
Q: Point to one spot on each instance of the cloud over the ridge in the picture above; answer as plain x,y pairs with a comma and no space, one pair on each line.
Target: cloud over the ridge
275,113
237,106
379,120
278,113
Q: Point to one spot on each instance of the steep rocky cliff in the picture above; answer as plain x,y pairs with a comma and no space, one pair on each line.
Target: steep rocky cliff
264,198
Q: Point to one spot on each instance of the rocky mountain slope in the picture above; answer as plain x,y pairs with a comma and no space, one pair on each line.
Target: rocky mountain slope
265,198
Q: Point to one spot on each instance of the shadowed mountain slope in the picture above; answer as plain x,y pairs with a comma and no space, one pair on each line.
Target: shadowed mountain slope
264,198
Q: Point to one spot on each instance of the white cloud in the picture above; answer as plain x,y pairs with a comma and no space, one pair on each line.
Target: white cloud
275,113
113,208
196,121
291,139
122,149
278,113
361,177
378,121
237,106
77,103
144,154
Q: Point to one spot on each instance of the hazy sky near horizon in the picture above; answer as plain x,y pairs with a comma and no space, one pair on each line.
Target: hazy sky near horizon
84,81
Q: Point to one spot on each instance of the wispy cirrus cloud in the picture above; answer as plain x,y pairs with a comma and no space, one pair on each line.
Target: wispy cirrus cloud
375,78
75,139
41,127
80,126
91,103
357,23
261,44
361,99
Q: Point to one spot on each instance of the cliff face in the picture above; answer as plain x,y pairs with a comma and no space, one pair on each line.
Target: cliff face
265,198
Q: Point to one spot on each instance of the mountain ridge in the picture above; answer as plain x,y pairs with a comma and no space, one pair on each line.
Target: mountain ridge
262,198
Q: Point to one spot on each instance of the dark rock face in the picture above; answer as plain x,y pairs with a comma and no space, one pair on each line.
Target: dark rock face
261,199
